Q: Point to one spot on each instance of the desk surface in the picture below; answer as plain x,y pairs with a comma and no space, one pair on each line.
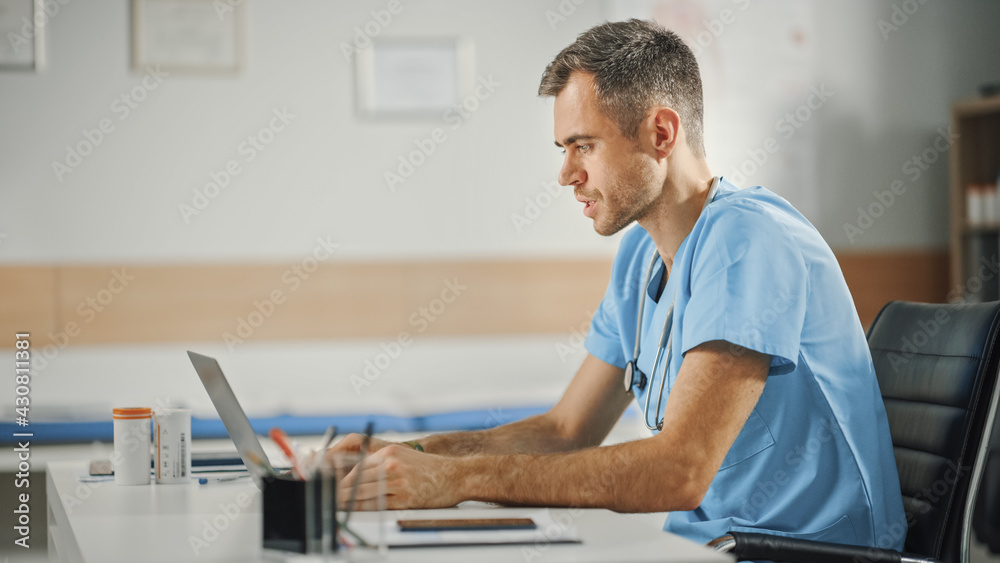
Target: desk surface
107,523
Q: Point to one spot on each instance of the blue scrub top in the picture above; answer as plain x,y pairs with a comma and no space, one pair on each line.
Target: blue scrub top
814,460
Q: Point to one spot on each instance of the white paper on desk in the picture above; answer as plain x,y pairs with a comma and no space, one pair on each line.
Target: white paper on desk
548,531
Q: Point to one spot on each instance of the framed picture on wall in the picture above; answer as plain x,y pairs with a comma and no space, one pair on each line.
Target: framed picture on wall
22,27
418,77
189,36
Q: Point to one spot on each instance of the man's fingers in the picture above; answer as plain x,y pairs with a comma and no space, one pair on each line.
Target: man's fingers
369,471
391,503
369,493
349,443
366,492
362,506
343,455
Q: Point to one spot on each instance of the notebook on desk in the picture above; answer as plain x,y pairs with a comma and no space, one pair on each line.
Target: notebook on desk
545,530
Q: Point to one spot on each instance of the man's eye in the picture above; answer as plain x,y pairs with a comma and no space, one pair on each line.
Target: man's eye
584,148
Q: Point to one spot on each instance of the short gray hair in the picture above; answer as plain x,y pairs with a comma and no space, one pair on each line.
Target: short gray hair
636,65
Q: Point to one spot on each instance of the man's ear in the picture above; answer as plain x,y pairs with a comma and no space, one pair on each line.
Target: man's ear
663,127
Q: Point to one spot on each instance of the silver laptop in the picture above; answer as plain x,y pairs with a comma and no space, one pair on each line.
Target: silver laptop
235,420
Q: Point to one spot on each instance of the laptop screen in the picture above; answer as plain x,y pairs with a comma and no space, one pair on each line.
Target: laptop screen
235,420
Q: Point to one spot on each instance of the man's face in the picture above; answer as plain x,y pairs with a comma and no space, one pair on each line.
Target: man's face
609,173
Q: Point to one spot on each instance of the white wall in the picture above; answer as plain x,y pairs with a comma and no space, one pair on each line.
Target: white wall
896,94
323,175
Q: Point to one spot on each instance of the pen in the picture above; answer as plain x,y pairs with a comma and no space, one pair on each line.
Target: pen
314,463
363,453
328,437
207,480
280,438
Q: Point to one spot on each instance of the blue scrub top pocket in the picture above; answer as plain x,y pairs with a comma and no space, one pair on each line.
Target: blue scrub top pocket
753,439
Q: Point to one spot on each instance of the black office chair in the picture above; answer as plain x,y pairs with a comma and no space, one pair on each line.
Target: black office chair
937,369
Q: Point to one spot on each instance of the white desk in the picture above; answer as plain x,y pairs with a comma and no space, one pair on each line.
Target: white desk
102,522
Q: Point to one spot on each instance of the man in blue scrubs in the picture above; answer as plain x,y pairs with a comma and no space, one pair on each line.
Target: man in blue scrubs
762,396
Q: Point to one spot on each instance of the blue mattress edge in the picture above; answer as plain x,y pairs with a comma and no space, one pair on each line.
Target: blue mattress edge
68,432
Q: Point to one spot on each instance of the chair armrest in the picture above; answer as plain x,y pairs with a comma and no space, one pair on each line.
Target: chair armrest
765,547
987,518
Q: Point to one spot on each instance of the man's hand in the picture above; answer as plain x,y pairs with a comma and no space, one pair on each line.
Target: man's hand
352,444
343,455
412,479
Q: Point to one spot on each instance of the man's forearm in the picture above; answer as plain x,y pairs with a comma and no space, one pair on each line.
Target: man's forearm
713,395
631,477
536,434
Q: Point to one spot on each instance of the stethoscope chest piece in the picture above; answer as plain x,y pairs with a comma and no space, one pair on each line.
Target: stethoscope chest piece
634,377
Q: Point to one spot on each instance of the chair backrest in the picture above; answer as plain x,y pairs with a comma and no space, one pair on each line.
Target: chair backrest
937,370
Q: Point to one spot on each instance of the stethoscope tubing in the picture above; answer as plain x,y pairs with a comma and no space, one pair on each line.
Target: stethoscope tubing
666,338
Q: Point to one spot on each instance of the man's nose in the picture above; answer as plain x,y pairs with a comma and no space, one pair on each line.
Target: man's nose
571,174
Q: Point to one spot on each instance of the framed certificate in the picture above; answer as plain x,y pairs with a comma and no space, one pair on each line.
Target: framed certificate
22,27
420,77
189,36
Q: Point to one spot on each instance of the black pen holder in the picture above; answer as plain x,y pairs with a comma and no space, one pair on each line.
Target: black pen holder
300,516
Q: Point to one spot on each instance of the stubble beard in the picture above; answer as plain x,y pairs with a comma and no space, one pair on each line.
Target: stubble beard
628,198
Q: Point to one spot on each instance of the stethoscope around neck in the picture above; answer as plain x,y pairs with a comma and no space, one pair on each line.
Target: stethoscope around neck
633,376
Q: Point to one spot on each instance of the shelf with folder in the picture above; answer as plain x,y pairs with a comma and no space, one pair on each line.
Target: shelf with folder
989,228
975,164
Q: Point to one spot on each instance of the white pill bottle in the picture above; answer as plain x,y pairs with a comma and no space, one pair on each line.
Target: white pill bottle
172,445
131,460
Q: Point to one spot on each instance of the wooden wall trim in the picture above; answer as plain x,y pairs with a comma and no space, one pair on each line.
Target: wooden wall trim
103,304
879,277
27,301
